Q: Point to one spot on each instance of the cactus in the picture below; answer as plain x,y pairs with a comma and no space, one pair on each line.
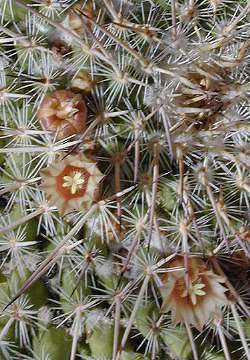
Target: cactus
124,179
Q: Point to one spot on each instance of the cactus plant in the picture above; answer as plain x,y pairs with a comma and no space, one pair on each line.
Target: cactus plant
124,179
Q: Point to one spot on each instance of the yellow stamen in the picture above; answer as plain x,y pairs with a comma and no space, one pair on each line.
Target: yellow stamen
194,291
74,182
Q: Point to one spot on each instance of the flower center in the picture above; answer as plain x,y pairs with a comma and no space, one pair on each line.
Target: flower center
74,182
193,291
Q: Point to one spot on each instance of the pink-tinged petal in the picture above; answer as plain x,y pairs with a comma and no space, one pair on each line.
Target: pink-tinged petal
70,187
197,303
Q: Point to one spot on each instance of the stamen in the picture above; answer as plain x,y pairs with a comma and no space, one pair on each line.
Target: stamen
194,291
74,182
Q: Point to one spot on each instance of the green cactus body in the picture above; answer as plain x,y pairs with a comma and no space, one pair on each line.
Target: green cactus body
37,294
101,341
54,342
178,343
124,179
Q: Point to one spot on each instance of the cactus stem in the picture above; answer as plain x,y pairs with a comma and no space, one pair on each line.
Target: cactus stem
161,106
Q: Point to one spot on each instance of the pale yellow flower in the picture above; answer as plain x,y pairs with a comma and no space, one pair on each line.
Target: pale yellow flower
71,183
192,299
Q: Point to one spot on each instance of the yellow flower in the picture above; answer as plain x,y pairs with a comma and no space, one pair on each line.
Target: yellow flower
71,183
193,298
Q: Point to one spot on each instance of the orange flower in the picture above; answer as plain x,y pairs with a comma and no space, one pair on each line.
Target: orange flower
198,301
71,183
63,113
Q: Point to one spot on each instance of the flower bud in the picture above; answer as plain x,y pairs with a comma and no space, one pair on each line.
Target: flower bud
63,113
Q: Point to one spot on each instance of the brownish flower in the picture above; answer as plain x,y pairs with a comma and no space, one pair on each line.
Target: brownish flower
71,183
63,113
199,111
198,301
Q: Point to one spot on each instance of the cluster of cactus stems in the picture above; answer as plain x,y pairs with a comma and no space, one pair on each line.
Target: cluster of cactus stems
125,179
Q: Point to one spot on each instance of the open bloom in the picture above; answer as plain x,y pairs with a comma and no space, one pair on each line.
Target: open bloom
193,298
71,183
63,113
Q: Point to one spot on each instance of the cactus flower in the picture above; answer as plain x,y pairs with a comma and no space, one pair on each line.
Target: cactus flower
71,183
63,113
195,298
